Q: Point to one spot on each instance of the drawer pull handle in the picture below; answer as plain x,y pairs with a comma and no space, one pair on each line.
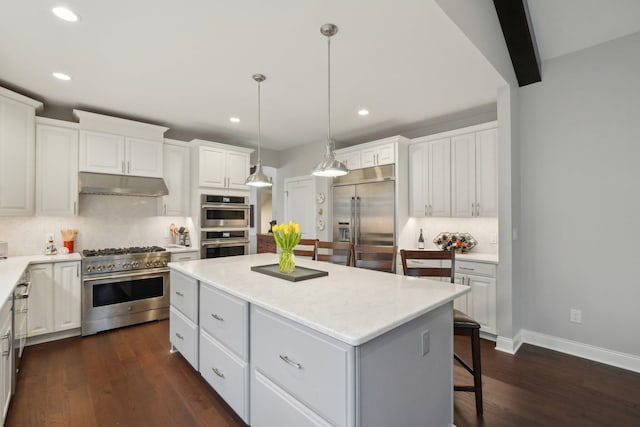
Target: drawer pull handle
180,294
217,372
179,336
215,316
466,268
290,362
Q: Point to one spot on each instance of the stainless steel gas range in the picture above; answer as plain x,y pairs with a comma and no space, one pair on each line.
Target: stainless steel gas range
124,286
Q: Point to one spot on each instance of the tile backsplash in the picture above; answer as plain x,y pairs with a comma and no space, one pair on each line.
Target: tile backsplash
103,221
484,230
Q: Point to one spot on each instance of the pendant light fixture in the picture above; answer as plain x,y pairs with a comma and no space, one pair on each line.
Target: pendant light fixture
329,166
258,178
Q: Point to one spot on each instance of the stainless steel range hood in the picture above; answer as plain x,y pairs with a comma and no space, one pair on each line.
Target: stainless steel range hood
121,185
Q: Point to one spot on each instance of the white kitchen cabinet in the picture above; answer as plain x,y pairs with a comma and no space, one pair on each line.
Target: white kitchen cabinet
223,166
66,295
176,175
56,168
374,153
474,174
383,154
430,175
224,346
480,303
17,153
6,357
54,301
120,155
183,317
350,158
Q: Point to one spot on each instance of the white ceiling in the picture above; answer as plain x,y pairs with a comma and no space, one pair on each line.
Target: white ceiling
565,26
188,64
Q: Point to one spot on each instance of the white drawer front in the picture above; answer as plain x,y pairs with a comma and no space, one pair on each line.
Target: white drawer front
227,374
272,406
183,335
476,268
313,368
184,294
225,318
184,256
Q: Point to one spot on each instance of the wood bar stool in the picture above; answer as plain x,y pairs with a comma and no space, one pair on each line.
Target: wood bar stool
306,248
334,252
462,324
374,257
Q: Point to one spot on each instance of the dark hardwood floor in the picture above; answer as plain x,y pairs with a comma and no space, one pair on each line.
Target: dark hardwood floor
127,377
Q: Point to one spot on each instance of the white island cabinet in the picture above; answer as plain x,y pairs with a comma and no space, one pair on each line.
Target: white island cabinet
354,348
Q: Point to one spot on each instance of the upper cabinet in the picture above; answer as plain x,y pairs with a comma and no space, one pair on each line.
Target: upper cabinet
119,146
176,175
430,179
222,166
17,153
56,167
455,173
375,153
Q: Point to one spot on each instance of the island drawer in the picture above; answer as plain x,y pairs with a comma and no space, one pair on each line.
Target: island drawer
313,368
183,335
228,375
476,268
225,318
184,294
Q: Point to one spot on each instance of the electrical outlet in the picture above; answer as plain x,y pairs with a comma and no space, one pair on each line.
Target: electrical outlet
575,315
425,342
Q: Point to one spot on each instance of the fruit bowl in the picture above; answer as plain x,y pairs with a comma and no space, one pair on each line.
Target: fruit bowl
460,242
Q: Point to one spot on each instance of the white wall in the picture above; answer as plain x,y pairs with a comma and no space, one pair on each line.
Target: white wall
580,151
104,221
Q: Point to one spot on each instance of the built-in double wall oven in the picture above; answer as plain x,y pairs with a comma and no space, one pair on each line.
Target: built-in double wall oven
224,221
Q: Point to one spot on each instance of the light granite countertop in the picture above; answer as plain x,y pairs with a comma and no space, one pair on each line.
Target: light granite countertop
12,268
351,304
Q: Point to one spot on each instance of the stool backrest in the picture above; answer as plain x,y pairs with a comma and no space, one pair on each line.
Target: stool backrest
428,271
306,248
334,252
375,257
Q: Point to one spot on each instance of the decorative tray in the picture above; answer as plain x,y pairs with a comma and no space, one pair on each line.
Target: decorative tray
460,242
299,274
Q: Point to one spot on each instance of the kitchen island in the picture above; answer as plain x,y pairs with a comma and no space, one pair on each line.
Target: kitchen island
354,348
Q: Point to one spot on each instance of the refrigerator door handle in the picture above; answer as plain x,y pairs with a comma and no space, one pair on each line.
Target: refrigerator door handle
357,224
352,227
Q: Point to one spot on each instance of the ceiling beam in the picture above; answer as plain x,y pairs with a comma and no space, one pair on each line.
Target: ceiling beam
521,42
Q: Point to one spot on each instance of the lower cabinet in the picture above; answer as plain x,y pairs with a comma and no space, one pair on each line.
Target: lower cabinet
480,303
6,373
183,316
185,256
54,300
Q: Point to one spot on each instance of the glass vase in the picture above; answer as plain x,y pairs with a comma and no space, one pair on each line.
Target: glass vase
286,262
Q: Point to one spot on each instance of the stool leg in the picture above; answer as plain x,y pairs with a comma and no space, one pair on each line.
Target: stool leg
477,369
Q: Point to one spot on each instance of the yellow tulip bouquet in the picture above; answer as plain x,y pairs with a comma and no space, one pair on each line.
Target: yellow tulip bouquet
287,236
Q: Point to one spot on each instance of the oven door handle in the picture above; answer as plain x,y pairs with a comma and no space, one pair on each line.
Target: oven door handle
227,207
224,242
153,272
25,294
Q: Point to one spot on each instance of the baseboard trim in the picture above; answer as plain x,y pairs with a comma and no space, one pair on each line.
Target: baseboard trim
39,339
597,354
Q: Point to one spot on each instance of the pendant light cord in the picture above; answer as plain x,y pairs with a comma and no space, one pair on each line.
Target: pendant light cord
259,127
329,89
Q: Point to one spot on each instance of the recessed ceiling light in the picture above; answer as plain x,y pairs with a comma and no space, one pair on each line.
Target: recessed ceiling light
363,112
234,120
65,14
61,76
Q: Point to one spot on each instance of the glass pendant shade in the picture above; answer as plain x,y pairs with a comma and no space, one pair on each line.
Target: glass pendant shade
258,178
329,166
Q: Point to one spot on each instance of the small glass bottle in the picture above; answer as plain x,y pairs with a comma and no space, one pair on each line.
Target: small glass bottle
420,240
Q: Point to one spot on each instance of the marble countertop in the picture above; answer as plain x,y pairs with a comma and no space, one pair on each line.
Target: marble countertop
351,304
12,268
180,248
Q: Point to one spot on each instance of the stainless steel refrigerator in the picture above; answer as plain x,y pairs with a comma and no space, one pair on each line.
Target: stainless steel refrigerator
364,206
